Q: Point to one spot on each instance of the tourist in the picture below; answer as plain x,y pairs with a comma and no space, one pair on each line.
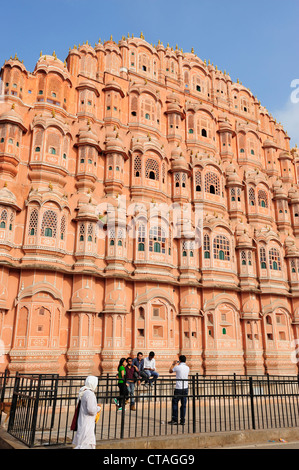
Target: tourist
123,389
150,368
85,435
131,379
181,389
139,363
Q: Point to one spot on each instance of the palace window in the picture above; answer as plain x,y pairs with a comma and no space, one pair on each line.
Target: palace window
263,258
49,224
157,240
198,181
251,197
62,228
262,198
212,184
141,238
33,221
137,166
152,169
206,246
221,248
274,259
81,232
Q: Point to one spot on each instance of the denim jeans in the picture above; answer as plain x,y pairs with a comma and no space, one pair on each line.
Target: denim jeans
131,389
152,374
179,395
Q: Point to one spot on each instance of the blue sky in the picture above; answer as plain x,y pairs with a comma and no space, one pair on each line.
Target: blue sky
255,41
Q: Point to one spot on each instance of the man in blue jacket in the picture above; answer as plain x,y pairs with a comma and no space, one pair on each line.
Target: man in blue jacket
139,363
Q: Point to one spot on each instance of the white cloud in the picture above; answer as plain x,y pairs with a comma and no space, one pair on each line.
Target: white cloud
289,118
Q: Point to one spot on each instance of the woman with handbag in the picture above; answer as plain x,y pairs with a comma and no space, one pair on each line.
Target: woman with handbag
85,435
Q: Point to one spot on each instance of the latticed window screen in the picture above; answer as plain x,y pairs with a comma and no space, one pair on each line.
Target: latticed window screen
49,224
262,198
3,218
221,248
157,240
89,232
212,183
141,238
33,221
198,181
11,220
274,259
206,246
53,142
243,257
152,169
163,172
62,227
188,245
263,260
251,195
137,166
81,232
134,104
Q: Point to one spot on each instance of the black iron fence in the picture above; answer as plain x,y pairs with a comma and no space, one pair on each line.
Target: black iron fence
41,407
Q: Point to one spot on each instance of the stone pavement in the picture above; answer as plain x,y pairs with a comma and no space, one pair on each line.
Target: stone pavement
221,440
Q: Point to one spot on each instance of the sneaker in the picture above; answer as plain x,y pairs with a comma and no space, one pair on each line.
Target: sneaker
115,401
119,408
172,422
127,401
132,407
145,384
182,424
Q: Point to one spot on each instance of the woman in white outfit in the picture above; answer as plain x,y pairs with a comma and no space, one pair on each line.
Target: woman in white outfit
85,435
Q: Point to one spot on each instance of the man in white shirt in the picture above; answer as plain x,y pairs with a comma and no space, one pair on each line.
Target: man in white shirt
181,389
150,368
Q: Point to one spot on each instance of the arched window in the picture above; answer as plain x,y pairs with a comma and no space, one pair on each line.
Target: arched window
243,258
206,246
157,240
62,227
137,166
262,198
81,232
263,260
251,195
152,169
198,181
33,221
3,218
274,259
89,232
221,248
212,183
49,224
141,237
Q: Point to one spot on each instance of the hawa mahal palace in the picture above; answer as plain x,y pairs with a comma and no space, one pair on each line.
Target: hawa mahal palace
96,145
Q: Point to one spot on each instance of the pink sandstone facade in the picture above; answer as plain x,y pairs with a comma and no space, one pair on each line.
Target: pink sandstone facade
147,125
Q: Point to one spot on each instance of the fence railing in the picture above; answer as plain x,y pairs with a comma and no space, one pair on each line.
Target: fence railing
42,406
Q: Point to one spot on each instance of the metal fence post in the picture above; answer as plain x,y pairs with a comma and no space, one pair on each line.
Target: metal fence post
193,404
252,402
35,411
14,403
